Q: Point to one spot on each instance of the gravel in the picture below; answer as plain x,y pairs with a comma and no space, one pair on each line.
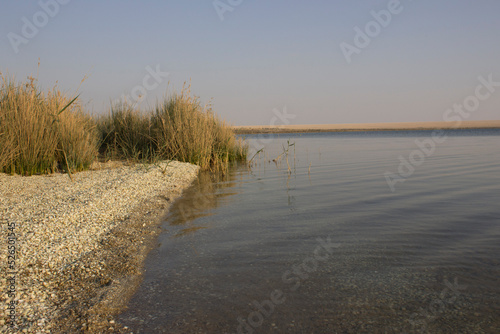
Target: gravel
80,243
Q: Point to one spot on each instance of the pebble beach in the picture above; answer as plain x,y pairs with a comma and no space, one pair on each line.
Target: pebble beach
72,248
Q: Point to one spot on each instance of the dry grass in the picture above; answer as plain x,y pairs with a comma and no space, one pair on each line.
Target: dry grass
126,134
190,132
180,128
42,132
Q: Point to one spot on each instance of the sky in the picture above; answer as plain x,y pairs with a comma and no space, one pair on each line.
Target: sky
263,62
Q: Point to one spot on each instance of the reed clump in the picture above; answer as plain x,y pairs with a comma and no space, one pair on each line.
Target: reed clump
179,128
126,134
190,132
43,132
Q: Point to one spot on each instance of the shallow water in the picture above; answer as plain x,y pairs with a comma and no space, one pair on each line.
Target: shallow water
321,244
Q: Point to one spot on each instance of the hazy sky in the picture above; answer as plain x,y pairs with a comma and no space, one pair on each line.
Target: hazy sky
256,56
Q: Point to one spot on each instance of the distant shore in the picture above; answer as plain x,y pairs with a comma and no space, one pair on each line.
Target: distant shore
301,128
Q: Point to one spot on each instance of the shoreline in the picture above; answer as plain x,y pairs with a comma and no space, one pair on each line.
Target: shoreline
81,244
311,128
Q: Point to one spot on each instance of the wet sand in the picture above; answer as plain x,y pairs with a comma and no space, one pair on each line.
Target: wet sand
295,128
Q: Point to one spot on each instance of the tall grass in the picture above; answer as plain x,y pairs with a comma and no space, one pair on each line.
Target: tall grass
191,132
126,134
42,132
180,128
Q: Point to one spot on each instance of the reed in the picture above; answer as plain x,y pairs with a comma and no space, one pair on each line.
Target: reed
126,134
179,128
187,131
285,152
43,132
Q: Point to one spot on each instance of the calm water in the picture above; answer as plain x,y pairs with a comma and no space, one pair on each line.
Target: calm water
322,244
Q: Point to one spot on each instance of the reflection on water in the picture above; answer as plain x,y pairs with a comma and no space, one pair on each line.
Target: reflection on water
200,200
316,242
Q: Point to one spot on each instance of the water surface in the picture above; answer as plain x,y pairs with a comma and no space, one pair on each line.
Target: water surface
321,243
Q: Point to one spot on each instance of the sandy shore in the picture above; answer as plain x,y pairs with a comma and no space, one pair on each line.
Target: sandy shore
365,127
80,245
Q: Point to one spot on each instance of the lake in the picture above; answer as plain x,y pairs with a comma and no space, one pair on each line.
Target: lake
347,232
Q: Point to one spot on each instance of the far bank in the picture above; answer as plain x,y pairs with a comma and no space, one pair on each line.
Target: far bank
304,128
